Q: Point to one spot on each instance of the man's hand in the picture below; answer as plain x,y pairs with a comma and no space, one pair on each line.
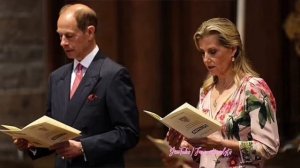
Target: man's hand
21,144
68,149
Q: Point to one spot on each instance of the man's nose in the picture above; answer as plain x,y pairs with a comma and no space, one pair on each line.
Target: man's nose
63,41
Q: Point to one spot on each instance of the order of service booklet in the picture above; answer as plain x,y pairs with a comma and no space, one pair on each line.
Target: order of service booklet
189,121
43,132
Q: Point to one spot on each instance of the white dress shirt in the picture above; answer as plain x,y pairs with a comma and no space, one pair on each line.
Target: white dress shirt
86,62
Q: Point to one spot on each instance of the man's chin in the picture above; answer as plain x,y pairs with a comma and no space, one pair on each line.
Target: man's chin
70,56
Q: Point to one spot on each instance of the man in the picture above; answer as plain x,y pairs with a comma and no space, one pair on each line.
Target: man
103,106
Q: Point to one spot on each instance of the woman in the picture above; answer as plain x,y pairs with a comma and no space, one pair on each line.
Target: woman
234,95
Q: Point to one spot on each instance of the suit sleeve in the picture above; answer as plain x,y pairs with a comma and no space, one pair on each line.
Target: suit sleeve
123,113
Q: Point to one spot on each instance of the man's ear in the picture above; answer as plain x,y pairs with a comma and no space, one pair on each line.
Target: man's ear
91,32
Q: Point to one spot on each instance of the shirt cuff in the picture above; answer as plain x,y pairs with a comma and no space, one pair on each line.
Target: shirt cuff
248,152
33,151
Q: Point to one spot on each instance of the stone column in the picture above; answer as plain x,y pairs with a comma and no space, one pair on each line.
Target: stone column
23,67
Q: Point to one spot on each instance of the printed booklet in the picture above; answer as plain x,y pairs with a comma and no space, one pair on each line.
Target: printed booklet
189,121
43,132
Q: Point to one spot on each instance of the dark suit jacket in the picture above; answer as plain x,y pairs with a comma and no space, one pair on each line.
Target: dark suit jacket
108,122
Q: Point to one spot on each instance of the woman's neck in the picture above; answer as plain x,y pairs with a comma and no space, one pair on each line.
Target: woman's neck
224,83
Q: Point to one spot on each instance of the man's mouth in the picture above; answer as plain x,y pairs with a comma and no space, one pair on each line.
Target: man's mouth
67,51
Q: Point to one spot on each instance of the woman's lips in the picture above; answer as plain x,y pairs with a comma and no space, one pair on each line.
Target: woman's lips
211,67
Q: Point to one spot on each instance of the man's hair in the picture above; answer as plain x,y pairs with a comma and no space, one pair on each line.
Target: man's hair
84,17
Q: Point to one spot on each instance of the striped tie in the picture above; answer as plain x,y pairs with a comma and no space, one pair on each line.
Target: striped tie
79,75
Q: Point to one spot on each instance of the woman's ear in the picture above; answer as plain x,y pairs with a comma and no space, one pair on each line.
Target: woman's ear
234,52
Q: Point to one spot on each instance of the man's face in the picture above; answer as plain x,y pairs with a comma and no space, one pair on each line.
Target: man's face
74,42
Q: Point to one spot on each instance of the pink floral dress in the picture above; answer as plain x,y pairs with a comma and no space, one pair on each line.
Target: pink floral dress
249,117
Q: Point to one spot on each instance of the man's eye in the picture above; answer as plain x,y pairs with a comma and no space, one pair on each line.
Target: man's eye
68,36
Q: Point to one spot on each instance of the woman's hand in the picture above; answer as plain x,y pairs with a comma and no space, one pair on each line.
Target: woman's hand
174,138
207,143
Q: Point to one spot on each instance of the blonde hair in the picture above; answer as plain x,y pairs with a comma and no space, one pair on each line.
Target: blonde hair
228,37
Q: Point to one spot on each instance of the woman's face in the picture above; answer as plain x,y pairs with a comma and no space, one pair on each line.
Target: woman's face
216,58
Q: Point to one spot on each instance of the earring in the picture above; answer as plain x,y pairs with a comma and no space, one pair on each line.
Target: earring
232,59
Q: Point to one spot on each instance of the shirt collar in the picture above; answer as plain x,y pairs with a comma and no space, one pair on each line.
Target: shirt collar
86,61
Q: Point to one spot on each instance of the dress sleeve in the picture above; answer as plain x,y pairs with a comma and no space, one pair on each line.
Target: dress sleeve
263,137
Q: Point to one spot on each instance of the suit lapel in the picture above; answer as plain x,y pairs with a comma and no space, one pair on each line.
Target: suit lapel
63,90
90,79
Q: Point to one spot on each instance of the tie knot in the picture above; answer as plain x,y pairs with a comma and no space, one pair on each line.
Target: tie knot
79,67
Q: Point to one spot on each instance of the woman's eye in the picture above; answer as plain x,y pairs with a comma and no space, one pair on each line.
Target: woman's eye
212,52
202,54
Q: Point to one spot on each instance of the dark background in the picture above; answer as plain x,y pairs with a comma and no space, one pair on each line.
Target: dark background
154,40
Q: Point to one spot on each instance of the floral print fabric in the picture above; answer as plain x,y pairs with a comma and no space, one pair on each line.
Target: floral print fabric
249,117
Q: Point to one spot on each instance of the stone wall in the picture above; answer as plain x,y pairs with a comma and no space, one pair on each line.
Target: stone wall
23,67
